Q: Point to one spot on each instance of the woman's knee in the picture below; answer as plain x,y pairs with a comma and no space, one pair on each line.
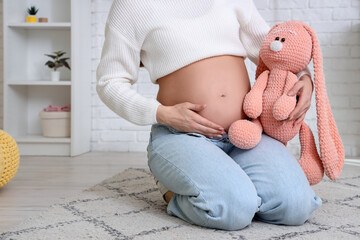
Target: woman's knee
171,176
238,214
298,208
290,208
228,203
226,212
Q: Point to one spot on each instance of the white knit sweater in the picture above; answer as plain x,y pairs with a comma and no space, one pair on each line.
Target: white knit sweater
167,35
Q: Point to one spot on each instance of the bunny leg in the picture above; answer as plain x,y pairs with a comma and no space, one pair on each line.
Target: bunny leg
309,158
245,134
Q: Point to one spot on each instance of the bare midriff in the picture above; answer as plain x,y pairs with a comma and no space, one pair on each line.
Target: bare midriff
220,82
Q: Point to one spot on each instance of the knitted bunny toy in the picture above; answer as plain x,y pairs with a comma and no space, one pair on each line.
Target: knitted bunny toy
287,49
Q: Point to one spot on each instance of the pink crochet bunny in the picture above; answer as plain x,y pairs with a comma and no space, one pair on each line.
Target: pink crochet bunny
287,49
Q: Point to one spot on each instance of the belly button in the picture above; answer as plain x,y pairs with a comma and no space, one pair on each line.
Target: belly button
222,95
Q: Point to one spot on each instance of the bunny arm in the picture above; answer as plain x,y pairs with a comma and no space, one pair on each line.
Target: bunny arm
285,104
253,99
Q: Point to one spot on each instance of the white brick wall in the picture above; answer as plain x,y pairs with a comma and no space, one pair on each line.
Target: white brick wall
337,24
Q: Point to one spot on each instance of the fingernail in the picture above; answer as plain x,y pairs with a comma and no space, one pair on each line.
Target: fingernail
291,93
219,136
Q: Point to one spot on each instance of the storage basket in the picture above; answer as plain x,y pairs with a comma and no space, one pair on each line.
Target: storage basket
55,124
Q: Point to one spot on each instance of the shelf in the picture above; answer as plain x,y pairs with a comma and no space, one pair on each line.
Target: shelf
40,139
38,25
40,83
26,81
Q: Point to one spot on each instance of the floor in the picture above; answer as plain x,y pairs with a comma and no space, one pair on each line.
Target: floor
40,181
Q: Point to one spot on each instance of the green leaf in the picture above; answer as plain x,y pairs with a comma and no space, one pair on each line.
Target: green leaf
50,64
52,56
67,65
60,54
32,10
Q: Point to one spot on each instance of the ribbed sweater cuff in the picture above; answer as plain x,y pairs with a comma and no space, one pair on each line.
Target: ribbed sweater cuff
155,107
303,72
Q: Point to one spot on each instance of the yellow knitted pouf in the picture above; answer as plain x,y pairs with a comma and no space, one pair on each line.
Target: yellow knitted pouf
9,158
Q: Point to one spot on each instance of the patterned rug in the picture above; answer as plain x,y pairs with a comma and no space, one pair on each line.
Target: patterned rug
129,206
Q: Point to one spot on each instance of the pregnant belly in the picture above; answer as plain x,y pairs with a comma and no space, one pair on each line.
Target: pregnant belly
220,82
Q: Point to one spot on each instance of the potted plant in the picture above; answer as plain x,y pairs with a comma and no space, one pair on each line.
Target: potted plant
57,63
32,12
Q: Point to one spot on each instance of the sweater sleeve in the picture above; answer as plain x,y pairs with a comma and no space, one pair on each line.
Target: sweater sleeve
253,32
119,67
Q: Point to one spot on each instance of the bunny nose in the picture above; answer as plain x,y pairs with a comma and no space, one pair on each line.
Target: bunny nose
276,46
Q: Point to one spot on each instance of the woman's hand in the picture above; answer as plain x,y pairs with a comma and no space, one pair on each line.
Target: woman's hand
303,88
184,117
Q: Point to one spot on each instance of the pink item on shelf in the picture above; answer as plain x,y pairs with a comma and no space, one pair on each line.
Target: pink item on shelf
54,108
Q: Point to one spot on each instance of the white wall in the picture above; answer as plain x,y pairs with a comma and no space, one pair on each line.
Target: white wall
1,64
337,24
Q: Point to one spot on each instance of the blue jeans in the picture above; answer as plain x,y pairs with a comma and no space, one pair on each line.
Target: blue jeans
218,185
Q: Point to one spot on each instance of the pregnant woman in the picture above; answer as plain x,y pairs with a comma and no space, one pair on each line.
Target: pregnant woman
195,52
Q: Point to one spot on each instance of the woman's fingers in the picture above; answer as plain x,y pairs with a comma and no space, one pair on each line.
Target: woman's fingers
201,120
185,117
303,89
195,107
301,107
209,132
296,88
206,127
300,119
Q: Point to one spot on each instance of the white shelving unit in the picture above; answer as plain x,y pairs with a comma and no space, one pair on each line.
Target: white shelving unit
27,86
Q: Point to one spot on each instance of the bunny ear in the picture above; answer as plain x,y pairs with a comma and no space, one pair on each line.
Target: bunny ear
331,147
261,67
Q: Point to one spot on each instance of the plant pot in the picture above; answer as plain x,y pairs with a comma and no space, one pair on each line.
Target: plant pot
31,19
55,124
55,76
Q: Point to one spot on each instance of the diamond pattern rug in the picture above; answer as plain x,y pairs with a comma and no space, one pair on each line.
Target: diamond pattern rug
129,206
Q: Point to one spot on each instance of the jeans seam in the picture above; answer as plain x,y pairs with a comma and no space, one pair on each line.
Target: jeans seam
187,178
